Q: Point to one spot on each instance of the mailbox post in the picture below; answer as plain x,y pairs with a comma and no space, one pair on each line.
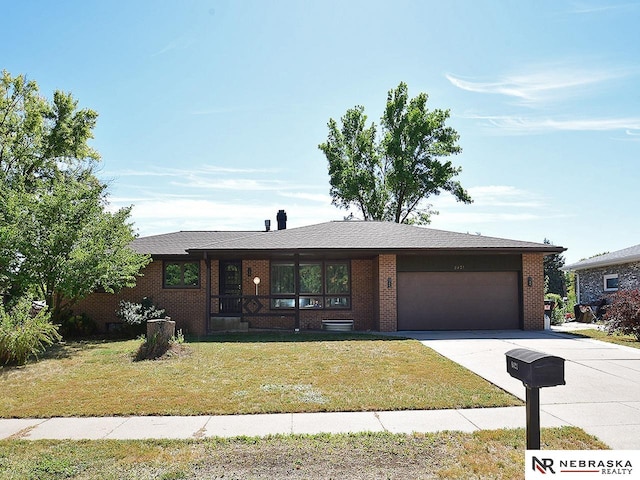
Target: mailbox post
535,370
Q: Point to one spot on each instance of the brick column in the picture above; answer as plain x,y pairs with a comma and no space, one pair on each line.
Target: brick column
387,295
533,291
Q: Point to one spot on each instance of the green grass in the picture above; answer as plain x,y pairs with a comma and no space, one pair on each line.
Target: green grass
497,454
626,340
265,373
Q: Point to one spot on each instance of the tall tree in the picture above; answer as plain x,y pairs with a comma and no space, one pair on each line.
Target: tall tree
388,176
554,276
57,237
71,245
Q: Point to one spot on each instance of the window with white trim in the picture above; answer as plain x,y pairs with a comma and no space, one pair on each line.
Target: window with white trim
611,282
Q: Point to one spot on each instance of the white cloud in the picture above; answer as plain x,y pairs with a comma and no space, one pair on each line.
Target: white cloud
313,197
235,184
179,43
585,8
541,84
161,213
492,204
205,169
522,124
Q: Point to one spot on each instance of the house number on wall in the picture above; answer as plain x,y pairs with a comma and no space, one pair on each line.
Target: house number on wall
458,267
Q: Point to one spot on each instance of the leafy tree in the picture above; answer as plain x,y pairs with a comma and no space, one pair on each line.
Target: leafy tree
71,245
57,238
37,138
388,176
553,274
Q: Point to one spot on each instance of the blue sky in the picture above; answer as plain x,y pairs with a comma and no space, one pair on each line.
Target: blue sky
211,111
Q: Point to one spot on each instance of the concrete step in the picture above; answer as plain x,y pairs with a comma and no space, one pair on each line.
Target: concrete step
228,324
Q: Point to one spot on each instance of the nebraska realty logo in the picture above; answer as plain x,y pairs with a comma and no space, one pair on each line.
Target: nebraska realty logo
582,464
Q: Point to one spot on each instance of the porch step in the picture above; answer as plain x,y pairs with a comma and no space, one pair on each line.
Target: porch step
228,324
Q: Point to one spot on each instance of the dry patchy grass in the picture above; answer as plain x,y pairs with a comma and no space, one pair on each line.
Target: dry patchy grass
496,454
626,340
266,373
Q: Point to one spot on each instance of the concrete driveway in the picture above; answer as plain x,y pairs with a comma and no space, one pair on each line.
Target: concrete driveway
602,394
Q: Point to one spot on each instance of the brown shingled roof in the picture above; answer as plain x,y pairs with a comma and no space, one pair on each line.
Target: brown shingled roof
334,236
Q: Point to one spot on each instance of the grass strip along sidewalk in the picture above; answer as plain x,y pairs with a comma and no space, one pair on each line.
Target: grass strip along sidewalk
244,374
596,334
496,454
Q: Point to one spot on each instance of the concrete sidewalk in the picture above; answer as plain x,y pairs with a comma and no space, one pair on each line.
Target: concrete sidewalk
602,391
133,428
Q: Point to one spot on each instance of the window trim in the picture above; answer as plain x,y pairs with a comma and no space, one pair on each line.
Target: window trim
325,303
182,264
610,276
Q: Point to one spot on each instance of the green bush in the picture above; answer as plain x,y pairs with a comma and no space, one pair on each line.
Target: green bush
558,312
135,315
25,333
73,326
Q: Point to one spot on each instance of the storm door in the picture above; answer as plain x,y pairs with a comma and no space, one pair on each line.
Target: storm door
230,287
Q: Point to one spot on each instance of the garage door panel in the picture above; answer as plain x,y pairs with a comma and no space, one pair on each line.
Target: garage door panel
458,300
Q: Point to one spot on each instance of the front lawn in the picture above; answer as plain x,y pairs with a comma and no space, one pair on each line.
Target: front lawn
626,340
241,374
497,454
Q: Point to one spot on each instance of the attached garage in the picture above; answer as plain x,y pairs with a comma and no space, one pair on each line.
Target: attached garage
450,297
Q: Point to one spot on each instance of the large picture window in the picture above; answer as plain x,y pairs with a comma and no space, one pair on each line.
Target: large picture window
319,285
181,274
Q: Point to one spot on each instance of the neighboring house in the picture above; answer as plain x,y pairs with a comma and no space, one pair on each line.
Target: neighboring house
382,276
600,276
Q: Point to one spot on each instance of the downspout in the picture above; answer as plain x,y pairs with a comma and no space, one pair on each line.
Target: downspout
578,299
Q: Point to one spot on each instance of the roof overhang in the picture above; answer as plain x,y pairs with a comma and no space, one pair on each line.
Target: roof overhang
576,267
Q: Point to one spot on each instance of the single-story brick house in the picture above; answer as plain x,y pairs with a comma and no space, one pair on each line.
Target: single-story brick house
600,276
382,276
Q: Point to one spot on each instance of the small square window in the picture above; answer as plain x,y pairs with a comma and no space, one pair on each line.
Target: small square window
611,282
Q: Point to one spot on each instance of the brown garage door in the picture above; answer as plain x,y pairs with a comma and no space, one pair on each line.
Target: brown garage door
458,300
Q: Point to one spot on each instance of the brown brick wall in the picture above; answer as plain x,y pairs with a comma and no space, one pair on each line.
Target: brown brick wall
533,296
387,297
186,306
362,302
259,268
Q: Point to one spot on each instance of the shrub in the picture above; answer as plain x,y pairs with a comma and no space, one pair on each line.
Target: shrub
25,333
622,315
73,326
558,312
135,315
